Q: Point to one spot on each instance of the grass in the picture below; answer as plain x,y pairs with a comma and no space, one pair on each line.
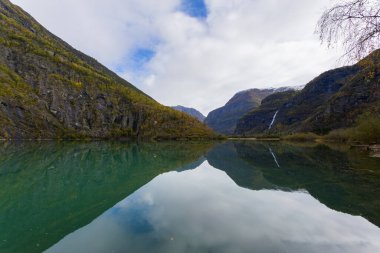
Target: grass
13,86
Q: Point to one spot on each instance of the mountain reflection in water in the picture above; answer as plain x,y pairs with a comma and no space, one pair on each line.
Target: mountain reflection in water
204,197
205,211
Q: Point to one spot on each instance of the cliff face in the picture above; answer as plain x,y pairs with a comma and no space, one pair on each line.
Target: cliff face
260,119
333,100
190,111
224,119
50,90
359,95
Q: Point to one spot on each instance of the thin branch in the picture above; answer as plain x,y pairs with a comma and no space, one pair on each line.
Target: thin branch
355,24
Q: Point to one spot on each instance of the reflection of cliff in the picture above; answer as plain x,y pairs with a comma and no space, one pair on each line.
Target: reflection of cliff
192,165
225,157
48,190
344,181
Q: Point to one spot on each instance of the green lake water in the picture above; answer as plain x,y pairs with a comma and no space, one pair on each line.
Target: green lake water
267,197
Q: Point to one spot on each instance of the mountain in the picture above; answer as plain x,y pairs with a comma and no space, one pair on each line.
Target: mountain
223,120
190,111
50,90
333,100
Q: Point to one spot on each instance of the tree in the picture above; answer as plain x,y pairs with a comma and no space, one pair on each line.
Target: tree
355,24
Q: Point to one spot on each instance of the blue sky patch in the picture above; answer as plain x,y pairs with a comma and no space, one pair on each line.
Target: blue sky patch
136,60
142,55
194,8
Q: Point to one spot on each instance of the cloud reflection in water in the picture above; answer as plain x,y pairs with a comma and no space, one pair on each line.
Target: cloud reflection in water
203,210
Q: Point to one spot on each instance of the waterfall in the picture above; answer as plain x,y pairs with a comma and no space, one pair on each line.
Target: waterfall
274,157
273,120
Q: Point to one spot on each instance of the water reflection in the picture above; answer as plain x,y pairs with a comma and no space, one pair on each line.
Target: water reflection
343,179
48,190
203,210
204,197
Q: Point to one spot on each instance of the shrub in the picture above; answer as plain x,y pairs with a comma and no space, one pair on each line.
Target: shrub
301,137
367,130
339,135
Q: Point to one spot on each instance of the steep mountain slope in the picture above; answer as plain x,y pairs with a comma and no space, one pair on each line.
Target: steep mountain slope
224,119
359,96
260,119
50,90
333,100
191,111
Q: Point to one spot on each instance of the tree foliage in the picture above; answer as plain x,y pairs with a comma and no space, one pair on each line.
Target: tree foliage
355,23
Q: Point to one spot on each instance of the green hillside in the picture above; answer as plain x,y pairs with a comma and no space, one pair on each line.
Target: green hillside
336,99
50,90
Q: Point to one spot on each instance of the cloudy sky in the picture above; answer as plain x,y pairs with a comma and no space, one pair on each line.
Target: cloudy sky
196,53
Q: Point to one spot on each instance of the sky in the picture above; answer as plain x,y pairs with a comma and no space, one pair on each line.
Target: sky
195,53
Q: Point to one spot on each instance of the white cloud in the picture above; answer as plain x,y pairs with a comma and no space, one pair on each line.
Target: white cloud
198,63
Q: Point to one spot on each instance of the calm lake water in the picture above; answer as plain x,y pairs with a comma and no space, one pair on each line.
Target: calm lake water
188,197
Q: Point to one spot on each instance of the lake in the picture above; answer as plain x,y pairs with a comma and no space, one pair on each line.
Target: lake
240,196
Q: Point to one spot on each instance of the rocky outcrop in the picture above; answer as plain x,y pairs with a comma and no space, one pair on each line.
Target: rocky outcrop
50,90
190,111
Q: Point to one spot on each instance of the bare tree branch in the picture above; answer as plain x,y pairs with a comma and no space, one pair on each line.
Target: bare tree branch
355,24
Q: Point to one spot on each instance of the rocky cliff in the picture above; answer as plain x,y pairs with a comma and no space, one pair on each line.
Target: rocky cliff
50,90
331,101
224,119
190,111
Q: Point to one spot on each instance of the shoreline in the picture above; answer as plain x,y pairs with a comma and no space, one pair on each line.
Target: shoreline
253,139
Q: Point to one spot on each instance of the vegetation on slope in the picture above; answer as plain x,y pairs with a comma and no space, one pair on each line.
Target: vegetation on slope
366,131
223,120
334,100
259,120
50,90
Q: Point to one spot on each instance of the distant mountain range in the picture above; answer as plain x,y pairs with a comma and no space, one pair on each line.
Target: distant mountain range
190,111
333,100
49,90
224,120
